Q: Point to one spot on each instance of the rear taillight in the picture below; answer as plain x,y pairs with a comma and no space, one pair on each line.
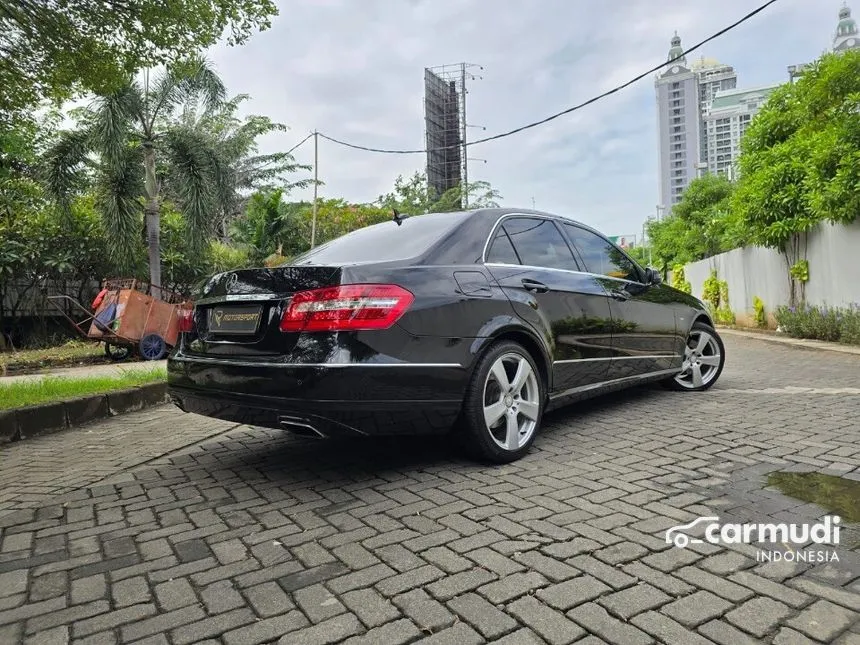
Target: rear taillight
186,320
351,307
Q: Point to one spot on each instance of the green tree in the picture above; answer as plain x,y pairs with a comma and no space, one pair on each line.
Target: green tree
129,146
55,49
799,162
243,170
701,225
270,225
413,196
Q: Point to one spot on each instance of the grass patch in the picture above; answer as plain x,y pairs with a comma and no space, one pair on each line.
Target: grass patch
51,389
73,352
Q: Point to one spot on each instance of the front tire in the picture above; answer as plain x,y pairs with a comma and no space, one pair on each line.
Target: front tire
504,404
704,358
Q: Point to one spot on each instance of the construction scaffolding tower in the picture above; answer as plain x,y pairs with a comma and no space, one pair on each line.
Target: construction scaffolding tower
445,127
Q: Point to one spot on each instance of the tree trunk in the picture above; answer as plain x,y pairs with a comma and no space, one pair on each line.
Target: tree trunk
792,297
152,216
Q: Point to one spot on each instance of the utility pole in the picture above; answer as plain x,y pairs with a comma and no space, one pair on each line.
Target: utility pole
316,176
465,185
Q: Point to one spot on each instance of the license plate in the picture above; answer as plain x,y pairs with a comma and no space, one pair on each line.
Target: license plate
235,320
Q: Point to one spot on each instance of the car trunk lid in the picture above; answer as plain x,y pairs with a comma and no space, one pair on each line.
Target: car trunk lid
238,313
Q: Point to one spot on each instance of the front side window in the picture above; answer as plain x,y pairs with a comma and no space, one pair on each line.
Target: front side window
601,257
535,242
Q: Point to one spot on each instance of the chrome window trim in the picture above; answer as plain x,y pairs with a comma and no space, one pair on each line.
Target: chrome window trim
498,223
506,216
585,273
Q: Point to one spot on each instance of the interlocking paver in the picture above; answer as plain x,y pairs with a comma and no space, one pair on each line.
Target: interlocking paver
823,620
428,613
759,615
254,536
573,592
371,608
697,608
512,586
634,600
667,630
595,619
398,632
553,626
328,631
459,634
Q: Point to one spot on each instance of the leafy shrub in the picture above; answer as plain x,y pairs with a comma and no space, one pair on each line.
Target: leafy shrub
760,314
679,279
834,324
715,293
711,290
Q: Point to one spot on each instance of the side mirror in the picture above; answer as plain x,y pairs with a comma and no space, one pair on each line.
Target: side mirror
652,276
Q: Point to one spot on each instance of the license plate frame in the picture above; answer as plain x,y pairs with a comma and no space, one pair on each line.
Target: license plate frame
241,320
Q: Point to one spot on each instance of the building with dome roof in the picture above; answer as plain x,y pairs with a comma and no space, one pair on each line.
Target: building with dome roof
702,115
684,91
846,31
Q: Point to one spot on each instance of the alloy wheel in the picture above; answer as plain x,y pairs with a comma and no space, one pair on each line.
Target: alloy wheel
701,360
511,401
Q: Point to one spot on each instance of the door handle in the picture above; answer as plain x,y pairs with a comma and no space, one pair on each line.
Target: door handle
534,285
618,294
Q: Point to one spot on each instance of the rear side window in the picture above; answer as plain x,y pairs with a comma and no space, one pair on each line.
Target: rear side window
536,242
385,242
502,251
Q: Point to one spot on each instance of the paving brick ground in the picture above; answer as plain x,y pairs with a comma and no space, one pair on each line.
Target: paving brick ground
125,532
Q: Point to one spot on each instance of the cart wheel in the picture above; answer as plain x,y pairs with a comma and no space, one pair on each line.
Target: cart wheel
117,352
152,347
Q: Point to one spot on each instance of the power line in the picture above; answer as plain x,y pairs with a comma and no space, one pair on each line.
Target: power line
599,97
300,142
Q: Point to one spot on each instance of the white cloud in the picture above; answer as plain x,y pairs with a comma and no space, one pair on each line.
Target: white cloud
354,70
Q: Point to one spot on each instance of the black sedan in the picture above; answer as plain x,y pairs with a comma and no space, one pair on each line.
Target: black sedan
472,322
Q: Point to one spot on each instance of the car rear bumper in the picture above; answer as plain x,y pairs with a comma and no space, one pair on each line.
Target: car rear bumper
322,400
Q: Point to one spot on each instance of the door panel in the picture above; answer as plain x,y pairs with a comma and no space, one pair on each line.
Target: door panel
643,327
573,314
643,335
537,270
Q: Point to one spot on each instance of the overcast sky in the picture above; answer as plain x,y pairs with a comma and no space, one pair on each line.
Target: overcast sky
354,70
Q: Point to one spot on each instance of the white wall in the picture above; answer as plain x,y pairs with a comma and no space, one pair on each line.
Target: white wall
834,271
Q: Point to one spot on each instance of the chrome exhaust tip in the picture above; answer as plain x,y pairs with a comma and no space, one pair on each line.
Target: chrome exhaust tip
299,427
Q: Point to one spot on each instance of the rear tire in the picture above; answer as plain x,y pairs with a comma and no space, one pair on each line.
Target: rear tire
503,405
704,358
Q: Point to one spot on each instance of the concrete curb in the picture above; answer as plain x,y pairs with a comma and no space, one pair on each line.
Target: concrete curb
803,343
25,423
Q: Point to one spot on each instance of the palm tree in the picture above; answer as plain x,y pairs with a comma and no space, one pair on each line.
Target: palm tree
244,170
131,147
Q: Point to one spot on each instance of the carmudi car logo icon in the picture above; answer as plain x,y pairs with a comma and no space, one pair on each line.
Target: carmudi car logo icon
681,540
793,537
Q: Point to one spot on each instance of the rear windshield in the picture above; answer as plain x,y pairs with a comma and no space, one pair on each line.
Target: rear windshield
384,242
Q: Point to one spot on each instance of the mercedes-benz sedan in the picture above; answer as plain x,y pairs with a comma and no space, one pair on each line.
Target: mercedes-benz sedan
472,322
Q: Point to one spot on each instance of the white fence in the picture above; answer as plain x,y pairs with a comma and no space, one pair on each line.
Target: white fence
834,272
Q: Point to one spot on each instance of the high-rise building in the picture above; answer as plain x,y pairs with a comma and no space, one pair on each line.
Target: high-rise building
678,118
702,116
712,77
684,93
726,121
